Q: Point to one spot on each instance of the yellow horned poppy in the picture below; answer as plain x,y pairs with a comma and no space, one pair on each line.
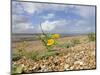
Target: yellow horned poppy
55,36
50,42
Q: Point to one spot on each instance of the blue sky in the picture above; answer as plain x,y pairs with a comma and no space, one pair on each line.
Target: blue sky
54,18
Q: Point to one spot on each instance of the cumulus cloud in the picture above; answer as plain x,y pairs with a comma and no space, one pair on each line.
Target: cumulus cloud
53,17
19,19
31,8
22,28
52,25
21,24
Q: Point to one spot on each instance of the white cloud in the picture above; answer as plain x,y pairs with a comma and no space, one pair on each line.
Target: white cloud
16,8
48,26
22,27
51,25
21,24
84,11
81,22
31,8
88,29
82,30
19,19
56,7
48,16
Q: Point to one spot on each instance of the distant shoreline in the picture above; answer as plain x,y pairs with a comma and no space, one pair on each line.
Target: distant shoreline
33,37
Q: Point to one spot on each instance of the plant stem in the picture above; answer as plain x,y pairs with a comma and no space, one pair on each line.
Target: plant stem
43,41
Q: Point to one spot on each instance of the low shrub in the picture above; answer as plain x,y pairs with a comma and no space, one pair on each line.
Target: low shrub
16,56
43,55
66,45
16,68
32,55
50,53
75,41
91,37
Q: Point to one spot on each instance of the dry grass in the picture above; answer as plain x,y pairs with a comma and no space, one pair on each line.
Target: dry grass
37,45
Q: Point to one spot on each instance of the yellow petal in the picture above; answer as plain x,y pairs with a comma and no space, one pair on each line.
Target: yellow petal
55,36
50,42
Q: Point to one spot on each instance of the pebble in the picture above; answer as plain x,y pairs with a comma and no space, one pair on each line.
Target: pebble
77,58
78,62
66,67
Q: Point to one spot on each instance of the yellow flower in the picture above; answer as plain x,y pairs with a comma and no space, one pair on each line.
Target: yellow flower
55,36
50,42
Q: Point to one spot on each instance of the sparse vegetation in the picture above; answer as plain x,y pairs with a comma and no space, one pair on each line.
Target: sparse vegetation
91,37
16,68
16,56
66,45
50,53
51,37
22,46
75,41
34,55
48,39
54,57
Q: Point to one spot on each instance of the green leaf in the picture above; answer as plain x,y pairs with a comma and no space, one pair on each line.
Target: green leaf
16,68
19,69
56,42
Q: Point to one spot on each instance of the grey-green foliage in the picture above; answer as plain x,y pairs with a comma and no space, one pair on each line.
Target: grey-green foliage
91,37
16,56
33,55
20,51
66,45
50,53
75,41
43,55
16,68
